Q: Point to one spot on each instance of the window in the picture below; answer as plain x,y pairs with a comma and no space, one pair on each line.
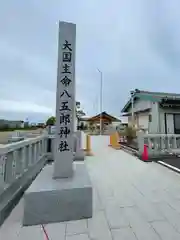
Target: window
150,118
177,123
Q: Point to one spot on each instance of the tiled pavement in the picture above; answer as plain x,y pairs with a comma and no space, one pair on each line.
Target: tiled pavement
133,200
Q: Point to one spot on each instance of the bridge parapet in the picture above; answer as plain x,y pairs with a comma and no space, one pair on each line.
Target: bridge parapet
16,158
20,162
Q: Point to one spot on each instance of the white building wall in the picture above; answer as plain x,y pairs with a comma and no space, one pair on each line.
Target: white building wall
22,125
162,121
143,121
140,105
154,125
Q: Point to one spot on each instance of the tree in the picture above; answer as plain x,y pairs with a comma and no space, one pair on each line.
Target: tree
78,105
80,113
51,121
81,127
130,133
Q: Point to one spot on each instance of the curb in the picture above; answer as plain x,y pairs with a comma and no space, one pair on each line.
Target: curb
169,166
151,158
129,150
134,152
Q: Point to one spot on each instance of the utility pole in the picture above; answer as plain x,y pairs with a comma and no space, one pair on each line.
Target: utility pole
100,101
132,107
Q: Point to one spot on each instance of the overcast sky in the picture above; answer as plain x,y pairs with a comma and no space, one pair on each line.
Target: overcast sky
135,43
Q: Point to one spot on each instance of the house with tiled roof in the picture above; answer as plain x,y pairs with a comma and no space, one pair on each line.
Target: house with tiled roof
105,119
153,112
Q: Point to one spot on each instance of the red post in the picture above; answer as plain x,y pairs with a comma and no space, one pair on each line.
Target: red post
45,232
145,153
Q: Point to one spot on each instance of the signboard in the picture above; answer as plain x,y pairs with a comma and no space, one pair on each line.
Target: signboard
65,101
52,129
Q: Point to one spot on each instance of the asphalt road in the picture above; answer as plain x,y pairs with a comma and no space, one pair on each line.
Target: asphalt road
175,162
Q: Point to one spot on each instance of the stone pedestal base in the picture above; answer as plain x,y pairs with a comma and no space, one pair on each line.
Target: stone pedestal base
48,200
88,152
79,155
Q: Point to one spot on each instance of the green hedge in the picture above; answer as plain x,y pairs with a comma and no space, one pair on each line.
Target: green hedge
8,129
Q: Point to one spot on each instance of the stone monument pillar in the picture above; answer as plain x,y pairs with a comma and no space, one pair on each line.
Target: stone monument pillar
62,191
65,101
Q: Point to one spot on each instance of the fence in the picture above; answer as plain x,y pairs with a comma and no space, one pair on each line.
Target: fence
20,162
16,158
159,144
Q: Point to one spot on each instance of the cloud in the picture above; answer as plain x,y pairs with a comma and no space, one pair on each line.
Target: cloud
15,106
134,43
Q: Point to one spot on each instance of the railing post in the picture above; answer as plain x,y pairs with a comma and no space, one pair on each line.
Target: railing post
30,160
168,143
10,168
25,158
150,150
35,152
174,142
17,155
140,140
3,159
163,142
43,146
156,144
40,148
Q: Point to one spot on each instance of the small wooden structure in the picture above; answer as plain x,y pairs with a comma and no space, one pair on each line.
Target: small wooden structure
106,119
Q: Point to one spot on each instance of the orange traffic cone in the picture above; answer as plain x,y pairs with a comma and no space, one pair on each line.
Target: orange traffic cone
145,153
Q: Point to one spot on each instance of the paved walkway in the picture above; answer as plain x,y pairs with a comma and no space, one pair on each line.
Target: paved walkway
132,200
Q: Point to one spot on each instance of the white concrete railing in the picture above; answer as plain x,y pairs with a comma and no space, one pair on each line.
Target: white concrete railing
159,144
20,162
16,158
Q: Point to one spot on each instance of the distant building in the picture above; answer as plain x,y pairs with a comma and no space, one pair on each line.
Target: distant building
41,124
106,120
83,121
26,124
11,124
33,124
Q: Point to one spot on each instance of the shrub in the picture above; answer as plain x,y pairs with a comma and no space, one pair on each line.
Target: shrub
129,132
